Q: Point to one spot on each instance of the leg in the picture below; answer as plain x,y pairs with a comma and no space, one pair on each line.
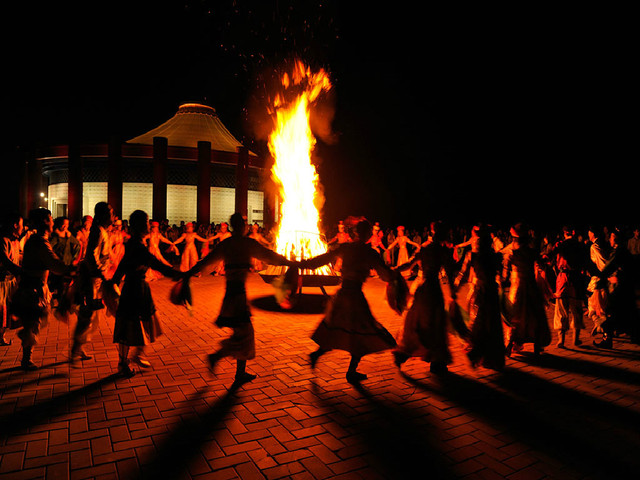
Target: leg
241,374
80,334
354,376
123,363
139,357
28,337
314,356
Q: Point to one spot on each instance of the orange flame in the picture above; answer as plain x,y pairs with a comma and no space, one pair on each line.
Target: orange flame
291,143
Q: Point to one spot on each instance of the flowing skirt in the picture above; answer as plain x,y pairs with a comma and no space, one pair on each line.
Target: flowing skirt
487,336
136,320
349,325
425,331
526,313
236,314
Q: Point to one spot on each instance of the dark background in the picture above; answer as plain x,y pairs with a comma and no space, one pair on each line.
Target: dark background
471,114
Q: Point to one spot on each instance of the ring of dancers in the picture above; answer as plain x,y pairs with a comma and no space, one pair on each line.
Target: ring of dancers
236,253
348,323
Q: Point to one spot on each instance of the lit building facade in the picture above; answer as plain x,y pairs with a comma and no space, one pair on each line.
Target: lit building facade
189,168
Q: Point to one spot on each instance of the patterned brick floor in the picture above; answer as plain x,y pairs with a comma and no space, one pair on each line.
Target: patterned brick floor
572,413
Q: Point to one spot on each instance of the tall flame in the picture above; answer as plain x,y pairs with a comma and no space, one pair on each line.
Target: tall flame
291,143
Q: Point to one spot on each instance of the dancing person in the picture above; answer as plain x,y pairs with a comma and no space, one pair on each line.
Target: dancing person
222,235
31,300
189,255
401,242
10,270
236,253
622,312
342,236
94,268
257,236
481,266
424,333
524,304
376,240
570,261
153,240
136,323
348,323
118,239
67,248
82,235
597,301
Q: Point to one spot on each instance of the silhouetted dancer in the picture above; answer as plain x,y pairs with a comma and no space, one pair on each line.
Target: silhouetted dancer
621,309
136,322
236,253
524,304
92,270
31,300
425,332
571,260
348,323
480,267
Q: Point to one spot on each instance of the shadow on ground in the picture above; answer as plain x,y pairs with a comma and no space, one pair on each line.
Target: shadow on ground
304,303
398,447
584,434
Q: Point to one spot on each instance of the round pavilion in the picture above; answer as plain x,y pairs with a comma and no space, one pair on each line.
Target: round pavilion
188,168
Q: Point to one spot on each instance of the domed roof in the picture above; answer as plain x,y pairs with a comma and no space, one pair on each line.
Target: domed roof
192,123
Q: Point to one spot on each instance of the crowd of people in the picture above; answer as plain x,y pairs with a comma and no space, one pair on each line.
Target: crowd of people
513,277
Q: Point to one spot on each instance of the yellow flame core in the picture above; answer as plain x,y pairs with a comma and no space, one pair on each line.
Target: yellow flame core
291,144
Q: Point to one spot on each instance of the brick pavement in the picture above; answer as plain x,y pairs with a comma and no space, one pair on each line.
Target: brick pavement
572,413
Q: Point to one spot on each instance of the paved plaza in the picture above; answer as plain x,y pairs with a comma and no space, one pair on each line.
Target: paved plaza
572,413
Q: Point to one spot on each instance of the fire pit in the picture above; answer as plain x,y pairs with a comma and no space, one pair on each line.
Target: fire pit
322,277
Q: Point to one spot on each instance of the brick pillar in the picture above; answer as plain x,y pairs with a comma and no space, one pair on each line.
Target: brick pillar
204,182
114,167
242,181
74,165
160,160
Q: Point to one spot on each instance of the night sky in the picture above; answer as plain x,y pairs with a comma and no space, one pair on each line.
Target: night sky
468,115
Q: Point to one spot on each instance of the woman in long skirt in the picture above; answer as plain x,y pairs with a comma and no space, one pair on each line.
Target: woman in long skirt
136,322
235,254
482,264
425,332
189,255
348,323
525,303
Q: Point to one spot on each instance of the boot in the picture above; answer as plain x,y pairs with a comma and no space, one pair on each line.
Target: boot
606,342
27,365
140,359
125,370
576,338
561,337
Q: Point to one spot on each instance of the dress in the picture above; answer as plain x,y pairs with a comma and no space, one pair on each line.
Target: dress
524,303
9,271
136,320
189,255
348,323
31,300
235,254
597,303
425,332
154,248
487,336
